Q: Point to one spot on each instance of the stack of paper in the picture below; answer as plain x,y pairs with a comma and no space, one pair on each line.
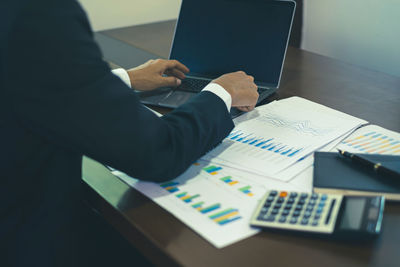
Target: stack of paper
215,201
268,147
275,139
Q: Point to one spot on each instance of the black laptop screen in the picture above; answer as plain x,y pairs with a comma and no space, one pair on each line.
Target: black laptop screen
221,36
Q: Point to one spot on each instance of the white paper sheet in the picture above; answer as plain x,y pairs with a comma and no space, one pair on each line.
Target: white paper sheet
273,137
372,139
225,187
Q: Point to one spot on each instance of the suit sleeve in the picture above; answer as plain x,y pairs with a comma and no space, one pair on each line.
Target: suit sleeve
64,92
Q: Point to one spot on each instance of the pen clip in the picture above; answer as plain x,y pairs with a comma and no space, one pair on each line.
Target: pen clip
376,166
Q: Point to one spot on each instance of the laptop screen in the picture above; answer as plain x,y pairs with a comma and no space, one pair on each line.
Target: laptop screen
213,37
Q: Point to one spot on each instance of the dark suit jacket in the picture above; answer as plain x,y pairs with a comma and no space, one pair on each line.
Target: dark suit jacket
60,101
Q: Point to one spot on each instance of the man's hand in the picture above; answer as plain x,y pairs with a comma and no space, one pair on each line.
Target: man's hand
151,75
242,89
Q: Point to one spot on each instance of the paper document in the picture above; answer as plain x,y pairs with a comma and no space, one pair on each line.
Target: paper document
275,136
215,201
372,139
268,147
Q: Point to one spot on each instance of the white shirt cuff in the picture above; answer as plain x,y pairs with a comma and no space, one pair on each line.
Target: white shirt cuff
123,75
221,93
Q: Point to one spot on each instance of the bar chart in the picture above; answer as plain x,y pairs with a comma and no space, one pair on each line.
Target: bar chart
186,197
246,190
212,209
269,145
274,137
373,140
213,170
222,217
225,216
228,180
234,183
170,186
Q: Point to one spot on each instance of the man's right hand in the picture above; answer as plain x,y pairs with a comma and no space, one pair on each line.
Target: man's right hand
242,89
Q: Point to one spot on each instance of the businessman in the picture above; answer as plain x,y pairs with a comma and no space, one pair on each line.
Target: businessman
60,101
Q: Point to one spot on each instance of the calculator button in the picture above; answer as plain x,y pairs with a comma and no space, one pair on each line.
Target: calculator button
301,201
311,202
282,219
283,194
293,194
319,210
265,217
314,196
288,206
264,209
317,216
299,207
285,212
277,206
280,200
296,213
270,199
324,197
267,204
314,223
293,221
304,221
309,208
290,200
303,195
270,218
273,193
307,214
321,205
275,211
260,217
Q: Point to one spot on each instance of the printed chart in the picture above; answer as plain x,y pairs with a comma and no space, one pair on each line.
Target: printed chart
273,137
215,201
372,139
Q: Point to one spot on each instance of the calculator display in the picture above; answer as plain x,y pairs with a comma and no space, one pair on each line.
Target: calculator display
353,213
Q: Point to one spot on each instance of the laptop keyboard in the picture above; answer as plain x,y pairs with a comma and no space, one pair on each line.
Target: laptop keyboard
196,85
193,85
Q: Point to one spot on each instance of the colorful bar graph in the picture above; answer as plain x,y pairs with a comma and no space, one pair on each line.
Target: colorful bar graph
180,195
246,190
264,143
198,205
213,170
221,213
374,142
189,198
225,216
170,186
222,217
228,180
229,220
184,196
210,208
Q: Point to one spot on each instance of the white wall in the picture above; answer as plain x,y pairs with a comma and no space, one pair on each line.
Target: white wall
362,32
108,14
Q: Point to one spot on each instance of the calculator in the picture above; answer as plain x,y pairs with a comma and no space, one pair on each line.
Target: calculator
319,213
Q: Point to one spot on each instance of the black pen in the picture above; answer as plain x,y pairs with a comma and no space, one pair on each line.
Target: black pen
375,166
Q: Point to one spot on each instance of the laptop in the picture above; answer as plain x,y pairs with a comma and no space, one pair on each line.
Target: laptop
214,37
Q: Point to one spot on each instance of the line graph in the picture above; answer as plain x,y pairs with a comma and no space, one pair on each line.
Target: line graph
302,126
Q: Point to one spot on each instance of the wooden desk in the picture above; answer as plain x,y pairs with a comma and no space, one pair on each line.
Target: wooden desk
168,242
